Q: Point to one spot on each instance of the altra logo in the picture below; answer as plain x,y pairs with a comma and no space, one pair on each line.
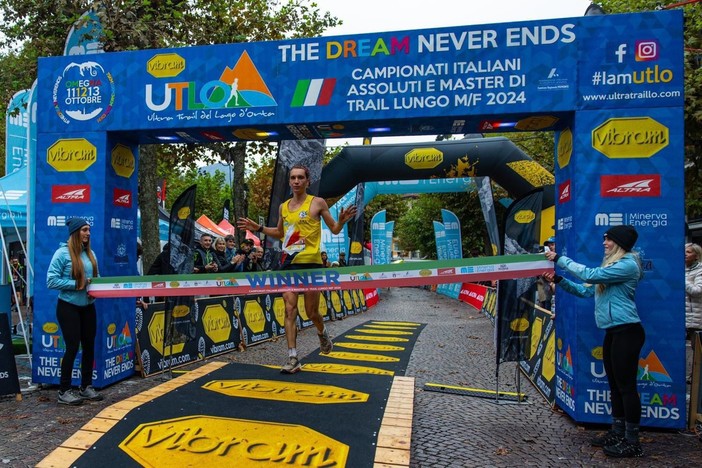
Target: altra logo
564,192
122,198
70,194
630,185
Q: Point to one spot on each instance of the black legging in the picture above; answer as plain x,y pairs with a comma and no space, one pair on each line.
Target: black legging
620,353
78,327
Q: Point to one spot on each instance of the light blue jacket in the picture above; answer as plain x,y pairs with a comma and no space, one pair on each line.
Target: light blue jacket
59,277
615,306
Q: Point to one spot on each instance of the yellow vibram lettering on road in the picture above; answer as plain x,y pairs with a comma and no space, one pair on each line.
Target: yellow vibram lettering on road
368,346
344,369
361,357
387,339
286,391
384,332
389,327
213,441
406,324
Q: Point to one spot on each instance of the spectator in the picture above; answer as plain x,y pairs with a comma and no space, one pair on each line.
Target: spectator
204,256
19,280
693,293
544,288
220,255
71,271
342,259
230,240
256,259
325,260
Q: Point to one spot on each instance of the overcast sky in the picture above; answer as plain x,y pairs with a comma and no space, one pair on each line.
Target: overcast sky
365,16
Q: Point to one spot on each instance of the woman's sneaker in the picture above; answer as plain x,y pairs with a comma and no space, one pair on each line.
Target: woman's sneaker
292,366
608,438
624,449
89,393
70,397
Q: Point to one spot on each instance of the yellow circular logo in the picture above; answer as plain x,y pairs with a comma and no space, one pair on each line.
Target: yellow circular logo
50,327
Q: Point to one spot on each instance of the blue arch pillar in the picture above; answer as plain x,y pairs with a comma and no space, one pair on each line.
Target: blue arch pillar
93,176
624,166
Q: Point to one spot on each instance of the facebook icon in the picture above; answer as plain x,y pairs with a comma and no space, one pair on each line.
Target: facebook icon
620,53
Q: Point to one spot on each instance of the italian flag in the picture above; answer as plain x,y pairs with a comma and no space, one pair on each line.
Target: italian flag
314,92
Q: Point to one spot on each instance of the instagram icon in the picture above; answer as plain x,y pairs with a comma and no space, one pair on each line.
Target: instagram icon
646,50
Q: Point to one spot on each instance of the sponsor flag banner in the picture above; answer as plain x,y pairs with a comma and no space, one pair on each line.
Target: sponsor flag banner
356,231
441,248
9,380
226,210
16,128
379,239
389,232
452,226
516,297
85,36
440,239
454,247
179,315
488,206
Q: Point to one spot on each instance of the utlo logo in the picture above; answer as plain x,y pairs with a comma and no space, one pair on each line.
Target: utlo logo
630,137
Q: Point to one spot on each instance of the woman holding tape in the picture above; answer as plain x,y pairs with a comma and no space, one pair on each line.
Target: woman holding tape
614,284
70,271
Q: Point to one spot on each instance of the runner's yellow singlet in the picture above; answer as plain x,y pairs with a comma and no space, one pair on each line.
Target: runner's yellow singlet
303,234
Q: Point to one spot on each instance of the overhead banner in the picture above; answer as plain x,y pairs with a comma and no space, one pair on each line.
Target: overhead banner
466,78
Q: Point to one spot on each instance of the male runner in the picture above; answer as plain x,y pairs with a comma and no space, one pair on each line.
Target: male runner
299,226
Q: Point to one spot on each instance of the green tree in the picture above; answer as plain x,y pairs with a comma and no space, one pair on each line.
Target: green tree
693,85
395,205
32,29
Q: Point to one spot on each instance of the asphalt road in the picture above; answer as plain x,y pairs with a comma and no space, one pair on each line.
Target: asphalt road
448,430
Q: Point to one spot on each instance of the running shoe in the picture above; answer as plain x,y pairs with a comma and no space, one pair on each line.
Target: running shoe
291,367
325,343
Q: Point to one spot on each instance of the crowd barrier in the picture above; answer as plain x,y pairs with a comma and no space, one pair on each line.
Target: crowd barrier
226,323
